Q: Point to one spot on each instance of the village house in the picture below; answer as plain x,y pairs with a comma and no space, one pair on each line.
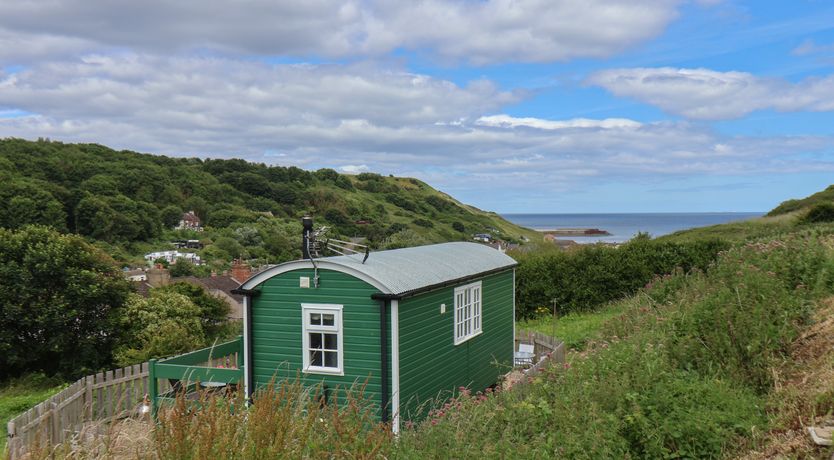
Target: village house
172,257
190,221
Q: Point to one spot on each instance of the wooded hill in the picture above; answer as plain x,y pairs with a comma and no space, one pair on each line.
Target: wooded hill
128,202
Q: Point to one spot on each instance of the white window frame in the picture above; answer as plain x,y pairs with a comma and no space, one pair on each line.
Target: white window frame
306,328
469,312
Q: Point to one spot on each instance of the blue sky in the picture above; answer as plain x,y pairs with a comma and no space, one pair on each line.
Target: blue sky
512,106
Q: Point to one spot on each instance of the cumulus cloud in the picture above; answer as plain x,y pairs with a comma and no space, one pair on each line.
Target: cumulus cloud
479,31
507,121
201,94
710,95
360,117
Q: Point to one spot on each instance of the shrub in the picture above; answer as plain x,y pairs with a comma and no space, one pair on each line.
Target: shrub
592,275
423,223
823,212
165,324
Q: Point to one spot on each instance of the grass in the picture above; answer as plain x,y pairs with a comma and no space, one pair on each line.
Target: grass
738,231
19,395
574,329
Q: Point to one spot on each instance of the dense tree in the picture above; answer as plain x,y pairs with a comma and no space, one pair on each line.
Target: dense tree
60,300
170,215
23,203
167,323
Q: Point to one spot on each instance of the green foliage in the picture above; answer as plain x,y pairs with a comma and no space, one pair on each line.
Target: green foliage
165,324
589,276
60,300
170,216
25,203
213,310
403,239
819,213
132,201
181,268
423,223
458,226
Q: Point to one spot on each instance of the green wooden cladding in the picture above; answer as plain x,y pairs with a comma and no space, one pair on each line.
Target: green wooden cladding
431,366
277,330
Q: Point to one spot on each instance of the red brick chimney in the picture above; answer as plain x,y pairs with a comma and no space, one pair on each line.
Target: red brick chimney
240,271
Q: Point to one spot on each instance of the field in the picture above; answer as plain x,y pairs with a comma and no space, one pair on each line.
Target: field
20,395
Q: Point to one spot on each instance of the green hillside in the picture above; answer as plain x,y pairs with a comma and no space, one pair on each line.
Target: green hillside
790,215
824,197
129,202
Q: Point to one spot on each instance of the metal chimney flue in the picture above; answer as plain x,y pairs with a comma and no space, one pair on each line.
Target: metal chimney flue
306,236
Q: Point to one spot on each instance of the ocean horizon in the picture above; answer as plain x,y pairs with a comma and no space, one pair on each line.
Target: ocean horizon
624,226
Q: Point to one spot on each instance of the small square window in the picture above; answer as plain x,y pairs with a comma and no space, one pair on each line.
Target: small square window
322,339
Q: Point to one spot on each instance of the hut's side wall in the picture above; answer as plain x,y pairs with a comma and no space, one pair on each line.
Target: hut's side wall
431,366
277,330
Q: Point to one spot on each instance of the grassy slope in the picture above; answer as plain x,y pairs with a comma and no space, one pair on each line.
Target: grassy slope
18,396
789,206
575,329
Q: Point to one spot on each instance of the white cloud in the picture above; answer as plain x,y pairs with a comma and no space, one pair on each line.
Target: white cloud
480,31
354,169
209,93
809,46
506,121
711,95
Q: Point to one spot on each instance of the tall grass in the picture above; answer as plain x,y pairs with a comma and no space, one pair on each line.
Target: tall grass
286,420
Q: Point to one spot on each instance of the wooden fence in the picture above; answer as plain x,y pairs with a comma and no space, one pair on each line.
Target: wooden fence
116,394
104,396
544,347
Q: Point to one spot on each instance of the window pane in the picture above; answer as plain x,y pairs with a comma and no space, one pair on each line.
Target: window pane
315,358
328,319
315,340
331,359
331,342
315,319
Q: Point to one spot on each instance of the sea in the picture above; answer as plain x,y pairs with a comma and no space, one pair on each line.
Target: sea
622,227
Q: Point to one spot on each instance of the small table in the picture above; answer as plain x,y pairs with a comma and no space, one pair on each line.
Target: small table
213,386
524,357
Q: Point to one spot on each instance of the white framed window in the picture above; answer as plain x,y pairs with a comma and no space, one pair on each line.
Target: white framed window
467,312
322,335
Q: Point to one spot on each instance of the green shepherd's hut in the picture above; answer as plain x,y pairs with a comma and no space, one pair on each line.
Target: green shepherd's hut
413,323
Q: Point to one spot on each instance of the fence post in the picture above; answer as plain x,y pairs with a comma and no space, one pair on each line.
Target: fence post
11,440
240,352
88,397
152,386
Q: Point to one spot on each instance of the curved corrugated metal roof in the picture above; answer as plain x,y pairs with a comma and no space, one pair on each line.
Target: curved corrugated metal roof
401,271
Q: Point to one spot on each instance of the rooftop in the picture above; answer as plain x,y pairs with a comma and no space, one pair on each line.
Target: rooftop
403,271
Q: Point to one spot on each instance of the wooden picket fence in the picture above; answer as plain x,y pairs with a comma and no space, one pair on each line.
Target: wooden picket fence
545,347
116,394
101,397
